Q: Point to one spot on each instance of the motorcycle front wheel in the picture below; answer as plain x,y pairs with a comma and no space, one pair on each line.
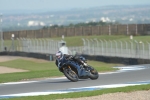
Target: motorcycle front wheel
70,74
93,73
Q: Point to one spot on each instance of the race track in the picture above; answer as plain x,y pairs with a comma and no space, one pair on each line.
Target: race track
130,75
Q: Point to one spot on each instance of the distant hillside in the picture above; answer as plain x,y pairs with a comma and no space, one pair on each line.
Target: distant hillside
122,14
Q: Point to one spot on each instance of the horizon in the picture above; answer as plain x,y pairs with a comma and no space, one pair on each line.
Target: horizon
15,6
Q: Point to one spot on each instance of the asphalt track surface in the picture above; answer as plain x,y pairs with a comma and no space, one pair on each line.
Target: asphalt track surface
126,75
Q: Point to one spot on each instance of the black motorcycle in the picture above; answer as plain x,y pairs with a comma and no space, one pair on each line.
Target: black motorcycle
74,70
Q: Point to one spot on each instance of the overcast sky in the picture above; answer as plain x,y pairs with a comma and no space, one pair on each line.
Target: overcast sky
62,4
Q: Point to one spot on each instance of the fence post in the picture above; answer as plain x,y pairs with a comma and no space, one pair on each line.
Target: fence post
29,45
127,48
120,48
148,50
84,44
142,47
92,45
105,47
137,49
111,48
101,47
96,45
115,48
131,48
18,46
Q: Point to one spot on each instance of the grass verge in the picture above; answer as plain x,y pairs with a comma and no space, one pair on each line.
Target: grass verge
42,70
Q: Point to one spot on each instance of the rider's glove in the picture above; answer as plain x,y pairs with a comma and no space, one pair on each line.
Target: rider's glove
70,57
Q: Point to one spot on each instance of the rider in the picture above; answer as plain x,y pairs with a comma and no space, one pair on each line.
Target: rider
60,56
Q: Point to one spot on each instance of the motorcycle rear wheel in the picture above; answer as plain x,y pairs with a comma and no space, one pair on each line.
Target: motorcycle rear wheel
70,74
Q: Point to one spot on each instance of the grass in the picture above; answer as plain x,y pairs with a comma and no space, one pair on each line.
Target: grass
44,69
86,93
77,40
29,65
35,70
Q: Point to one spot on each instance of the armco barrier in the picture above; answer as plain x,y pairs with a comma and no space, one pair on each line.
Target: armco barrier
51,57
127,61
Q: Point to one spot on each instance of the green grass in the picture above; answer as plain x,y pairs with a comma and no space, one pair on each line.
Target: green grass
29,65
103,67
77,40
86,93
42,69
35,70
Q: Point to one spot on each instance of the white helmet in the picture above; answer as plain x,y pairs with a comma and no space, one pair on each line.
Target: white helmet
59,54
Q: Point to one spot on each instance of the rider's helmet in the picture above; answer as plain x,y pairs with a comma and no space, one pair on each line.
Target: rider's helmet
59,55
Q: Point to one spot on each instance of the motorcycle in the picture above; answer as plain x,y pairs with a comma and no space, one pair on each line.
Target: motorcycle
74,70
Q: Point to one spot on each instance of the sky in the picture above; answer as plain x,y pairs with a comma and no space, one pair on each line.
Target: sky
50,5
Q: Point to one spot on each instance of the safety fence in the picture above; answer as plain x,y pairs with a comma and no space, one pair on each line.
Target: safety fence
116,48
37,45
46,46
99,47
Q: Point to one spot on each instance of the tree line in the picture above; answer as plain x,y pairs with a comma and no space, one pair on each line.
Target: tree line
100,23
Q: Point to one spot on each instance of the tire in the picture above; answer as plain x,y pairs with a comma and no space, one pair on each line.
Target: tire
93,74
70,74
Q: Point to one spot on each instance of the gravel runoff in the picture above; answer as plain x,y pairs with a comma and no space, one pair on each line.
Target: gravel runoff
136,95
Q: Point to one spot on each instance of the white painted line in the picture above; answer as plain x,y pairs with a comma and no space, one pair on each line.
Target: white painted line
23,82
11,83
125,69
130,68
74,90
33,94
